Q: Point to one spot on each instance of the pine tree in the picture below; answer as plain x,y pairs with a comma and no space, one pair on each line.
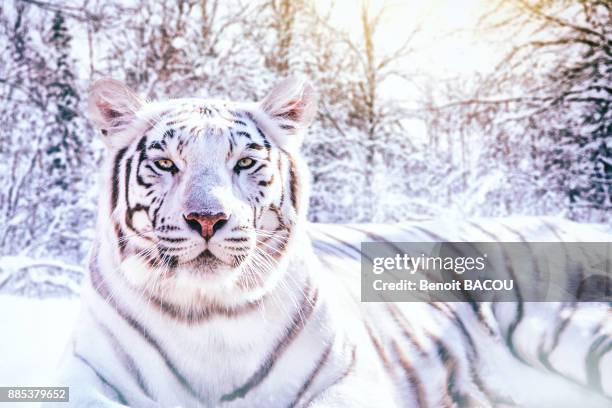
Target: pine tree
64,144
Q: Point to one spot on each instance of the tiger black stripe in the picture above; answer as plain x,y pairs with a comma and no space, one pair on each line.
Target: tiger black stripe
265,139
195,316
601,346
300,318
155,146
244,134
553,230
168,134
282,180
121,242
266,143
120,398
156,211
348,371
293,183
141,159
311,377
543,355
169,239
254,146
329,249
450,363
237,113
115,178
123,356
414,381
519,303
380,350
536,266
448,312
578,273
152,170
491,395
265,183
561,328
473,353
355,252
100,286
128,214
401,322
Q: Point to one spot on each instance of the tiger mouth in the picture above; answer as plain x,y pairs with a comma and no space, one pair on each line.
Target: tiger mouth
205,262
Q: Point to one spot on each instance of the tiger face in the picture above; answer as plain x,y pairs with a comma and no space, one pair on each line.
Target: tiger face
203,196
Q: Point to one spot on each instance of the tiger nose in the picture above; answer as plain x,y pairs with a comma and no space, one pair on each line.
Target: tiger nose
206,224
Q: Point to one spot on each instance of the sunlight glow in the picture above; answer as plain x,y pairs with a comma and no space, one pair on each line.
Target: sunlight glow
445,41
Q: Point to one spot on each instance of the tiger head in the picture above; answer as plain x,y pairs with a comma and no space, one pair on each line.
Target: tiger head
201,197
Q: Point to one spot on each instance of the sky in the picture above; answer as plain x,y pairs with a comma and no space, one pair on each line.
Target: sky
447,43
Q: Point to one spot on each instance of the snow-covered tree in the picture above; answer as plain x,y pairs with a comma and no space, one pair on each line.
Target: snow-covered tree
181,48
357,148
542,117
45,144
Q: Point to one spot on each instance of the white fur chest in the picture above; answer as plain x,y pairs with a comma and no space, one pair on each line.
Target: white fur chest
222,360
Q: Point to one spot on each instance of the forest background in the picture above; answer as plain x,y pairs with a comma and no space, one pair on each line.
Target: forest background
427,109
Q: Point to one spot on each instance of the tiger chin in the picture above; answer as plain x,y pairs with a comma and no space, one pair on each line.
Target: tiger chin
205,288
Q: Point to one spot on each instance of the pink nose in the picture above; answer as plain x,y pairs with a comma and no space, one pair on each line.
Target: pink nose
206,224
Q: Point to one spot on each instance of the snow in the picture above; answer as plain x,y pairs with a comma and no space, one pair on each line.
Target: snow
40,277
35,333
465,161
20,262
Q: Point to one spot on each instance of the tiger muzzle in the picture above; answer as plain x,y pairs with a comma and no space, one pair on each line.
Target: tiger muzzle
206,224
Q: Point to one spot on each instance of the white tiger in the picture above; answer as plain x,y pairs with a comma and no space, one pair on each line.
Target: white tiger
208,288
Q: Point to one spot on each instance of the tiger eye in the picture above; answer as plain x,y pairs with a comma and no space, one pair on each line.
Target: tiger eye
245,163
165,164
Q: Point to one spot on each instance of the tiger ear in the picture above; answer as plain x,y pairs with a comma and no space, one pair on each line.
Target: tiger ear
292,104
112,107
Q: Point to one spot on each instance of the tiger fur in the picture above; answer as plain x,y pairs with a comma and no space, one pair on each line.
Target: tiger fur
207,287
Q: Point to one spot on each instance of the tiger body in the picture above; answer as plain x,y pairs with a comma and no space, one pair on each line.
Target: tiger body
207,287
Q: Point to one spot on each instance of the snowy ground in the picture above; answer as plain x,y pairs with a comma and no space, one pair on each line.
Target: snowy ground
34,335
